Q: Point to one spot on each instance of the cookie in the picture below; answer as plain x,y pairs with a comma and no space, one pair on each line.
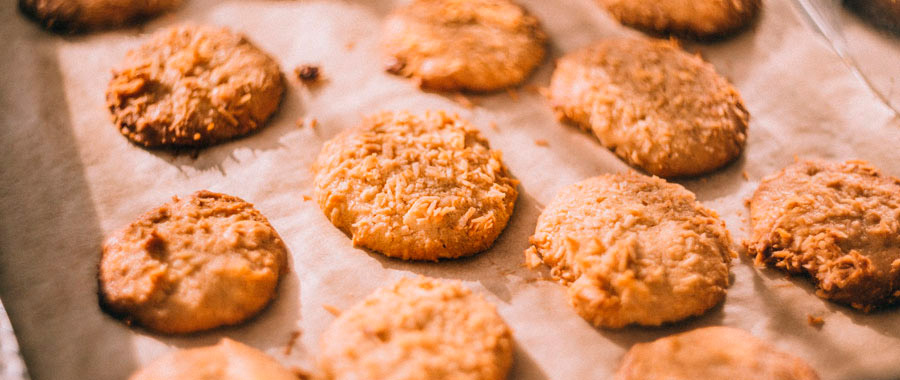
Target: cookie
418,329
836,223
474,45
193,264
633,249
712,353
227,360
657,107
883,13
69,16
193,86
703,19
420,187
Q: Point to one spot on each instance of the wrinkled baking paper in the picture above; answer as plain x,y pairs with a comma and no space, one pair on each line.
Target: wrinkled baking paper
69,178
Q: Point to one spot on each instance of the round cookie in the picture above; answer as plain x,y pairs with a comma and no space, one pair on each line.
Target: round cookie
193,86
68,16
837,223
227,360
415,187
703,19
633,250
475,45
418,329
193,264
654,105
712,353
884,13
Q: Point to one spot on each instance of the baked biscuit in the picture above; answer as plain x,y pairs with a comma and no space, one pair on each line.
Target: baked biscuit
193,86
633,250
692,18
193,264
68,16
837,223
712,353
227,360
884,13
654,105
476,45
421,187
418,329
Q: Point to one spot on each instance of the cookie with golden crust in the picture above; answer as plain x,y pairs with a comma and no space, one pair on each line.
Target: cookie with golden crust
193,86
654,105
68,16
693,18
227,360
420,187
418,329
837,223
633,249
193,264
475,45
712,353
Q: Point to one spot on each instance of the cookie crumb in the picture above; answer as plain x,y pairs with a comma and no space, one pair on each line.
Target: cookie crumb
513,94
463,100
291,341
394,65
299,122
306,197
494,126
308,73
745,175
301,374
332,309
541,142
815,321
314,123
350,45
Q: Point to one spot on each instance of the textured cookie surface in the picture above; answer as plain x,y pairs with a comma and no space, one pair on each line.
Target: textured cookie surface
227,360
837,222
80,15
418,329
693,18
633,249
193,86
654,105
193,264
712,353
477,45
420,187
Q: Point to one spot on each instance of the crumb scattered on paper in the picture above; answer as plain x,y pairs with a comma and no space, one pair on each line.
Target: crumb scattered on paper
331,309
308,73
494,126
299,122
291,341
745,175
306,197
350,45
814,321
541,142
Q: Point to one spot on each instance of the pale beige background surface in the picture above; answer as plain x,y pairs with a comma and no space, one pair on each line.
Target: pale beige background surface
67,178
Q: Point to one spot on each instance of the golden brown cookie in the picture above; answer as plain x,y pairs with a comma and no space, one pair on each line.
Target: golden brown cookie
712,353
476,45
692,18
654,105
227,360
883,13
193,86
418,329
837,223
193,264
633,249
68,16
420,187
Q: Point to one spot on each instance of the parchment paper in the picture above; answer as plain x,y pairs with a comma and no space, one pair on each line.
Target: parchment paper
69,178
